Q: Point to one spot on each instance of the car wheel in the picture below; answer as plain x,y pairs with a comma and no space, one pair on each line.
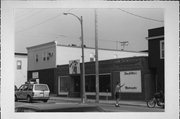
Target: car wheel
29,99
45,100
16,98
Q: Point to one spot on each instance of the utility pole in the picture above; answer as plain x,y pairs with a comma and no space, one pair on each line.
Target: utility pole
83,67
83,96
117,45
96,57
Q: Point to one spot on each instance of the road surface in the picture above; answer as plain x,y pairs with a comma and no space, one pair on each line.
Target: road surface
106,107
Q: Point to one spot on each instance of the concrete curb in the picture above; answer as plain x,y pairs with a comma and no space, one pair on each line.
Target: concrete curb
110,102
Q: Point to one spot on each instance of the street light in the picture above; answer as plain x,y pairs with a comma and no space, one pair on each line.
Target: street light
82,45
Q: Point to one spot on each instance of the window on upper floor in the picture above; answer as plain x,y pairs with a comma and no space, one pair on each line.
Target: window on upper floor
36,58
19,64
162,49
49,55
44,56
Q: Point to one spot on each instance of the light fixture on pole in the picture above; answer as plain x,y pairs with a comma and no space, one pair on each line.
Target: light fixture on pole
83,97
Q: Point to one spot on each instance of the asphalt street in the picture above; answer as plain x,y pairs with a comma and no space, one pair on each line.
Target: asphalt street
106,107
128,108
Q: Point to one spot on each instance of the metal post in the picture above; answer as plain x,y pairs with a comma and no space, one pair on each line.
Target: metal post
83,96
97,64
83,67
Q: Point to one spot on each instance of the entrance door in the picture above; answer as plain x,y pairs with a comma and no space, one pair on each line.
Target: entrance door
76,80
75,86
63,85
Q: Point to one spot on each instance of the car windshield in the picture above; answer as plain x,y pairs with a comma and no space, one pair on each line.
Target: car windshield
41,87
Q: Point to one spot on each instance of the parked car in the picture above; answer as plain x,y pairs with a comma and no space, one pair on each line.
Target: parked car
32,91
52,107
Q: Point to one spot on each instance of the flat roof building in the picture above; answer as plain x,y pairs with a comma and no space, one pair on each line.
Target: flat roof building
59,66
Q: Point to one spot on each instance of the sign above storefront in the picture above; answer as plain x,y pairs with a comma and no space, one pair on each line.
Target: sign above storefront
35,75
74,67
132,81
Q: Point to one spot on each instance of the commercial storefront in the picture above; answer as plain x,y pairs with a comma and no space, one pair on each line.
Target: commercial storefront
156,56
133,72
59,66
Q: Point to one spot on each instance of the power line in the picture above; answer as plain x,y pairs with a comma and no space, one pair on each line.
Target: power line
117,42
27,16
141,16
37,24
24,13
107,40
41,22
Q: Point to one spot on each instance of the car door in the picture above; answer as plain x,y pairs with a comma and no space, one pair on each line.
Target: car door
19,92
30,90
24,92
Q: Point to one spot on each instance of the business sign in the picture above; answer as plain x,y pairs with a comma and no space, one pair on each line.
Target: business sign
131,81
35,75
74,67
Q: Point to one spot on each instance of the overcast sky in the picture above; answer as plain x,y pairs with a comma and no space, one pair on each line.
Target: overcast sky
37,26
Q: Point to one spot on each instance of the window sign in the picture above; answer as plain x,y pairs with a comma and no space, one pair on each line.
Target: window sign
74,67
35,75
162,49
131,81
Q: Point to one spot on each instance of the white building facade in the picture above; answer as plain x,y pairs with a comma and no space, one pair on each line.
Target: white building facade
52,54
20,69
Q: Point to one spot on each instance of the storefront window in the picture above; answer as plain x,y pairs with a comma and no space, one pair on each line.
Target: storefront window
104,83
90,83
64,84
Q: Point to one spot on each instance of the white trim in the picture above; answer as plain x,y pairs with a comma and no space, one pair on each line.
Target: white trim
99,74
62,93
100,94
63,76
154,37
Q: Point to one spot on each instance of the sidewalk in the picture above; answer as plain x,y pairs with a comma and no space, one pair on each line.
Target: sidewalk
122,102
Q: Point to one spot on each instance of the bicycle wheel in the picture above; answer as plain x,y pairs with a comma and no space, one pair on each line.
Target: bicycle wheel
151,103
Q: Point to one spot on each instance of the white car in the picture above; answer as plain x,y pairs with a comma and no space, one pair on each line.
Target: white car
32,92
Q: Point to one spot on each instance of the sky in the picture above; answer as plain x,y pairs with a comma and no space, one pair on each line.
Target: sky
114,25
